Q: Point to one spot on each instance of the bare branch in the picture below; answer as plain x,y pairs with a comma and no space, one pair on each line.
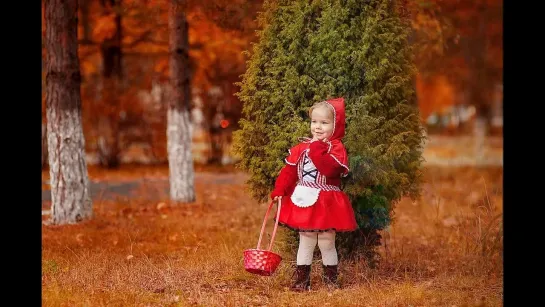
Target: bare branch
145,37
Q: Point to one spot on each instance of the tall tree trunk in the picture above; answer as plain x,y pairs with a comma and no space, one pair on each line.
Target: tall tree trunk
70,196
480,87
44,145
84,8
108,139
180,160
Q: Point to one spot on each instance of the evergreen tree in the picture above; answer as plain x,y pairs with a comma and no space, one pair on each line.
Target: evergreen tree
310,51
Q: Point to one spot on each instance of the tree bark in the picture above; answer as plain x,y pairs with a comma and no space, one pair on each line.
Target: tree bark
44,145
180,159
112,73
480,87
70,196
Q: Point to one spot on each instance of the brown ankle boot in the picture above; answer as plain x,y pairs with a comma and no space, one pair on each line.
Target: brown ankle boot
302,280
330,275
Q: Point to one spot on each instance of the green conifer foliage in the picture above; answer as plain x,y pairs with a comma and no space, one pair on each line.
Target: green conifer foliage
310,51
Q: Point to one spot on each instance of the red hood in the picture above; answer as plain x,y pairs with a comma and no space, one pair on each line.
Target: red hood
338,127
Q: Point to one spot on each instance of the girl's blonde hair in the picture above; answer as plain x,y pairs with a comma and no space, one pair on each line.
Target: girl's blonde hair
322,104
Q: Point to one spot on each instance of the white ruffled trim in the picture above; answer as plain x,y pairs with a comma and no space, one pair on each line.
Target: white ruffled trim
347,169
286,159
287,162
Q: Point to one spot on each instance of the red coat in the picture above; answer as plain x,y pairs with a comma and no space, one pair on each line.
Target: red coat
319,205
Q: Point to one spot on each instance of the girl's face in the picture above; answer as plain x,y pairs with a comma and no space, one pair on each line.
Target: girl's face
321,123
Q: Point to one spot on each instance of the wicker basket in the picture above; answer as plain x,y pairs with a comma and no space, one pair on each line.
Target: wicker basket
259,261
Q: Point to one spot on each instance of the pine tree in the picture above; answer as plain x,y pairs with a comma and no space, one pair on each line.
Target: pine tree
310,51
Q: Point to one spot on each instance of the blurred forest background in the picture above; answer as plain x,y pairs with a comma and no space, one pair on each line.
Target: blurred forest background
123,51
444,249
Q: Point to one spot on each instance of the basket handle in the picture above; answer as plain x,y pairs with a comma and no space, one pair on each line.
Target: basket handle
265,221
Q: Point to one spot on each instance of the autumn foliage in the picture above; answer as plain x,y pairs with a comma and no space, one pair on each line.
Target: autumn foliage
123,53
446,33
458,42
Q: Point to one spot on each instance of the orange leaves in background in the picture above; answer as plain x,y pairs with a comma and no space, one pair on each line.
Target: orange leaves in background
161,65
145,33
434,94
88,66
104,27
218,51
219,32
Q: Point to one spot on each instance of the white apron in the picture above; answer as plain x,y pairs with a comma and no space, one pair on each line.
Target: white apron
305,195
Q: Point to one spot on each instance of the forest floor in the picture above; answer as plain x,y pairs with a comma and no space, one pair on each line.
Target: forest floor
463,151
444,249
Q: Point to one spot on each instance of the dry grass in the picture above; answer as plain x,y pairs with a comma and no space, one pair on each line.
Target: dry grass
443,250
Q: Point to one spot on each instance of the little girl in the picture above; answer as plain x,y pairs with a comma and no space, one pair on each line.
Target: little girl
308,187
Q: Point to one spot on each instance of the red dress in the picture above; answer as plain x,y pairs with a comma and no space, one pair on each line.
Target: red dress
309,183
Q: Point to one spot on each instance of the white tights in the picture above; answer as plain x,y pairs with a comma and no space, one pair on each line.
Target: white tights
326,243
